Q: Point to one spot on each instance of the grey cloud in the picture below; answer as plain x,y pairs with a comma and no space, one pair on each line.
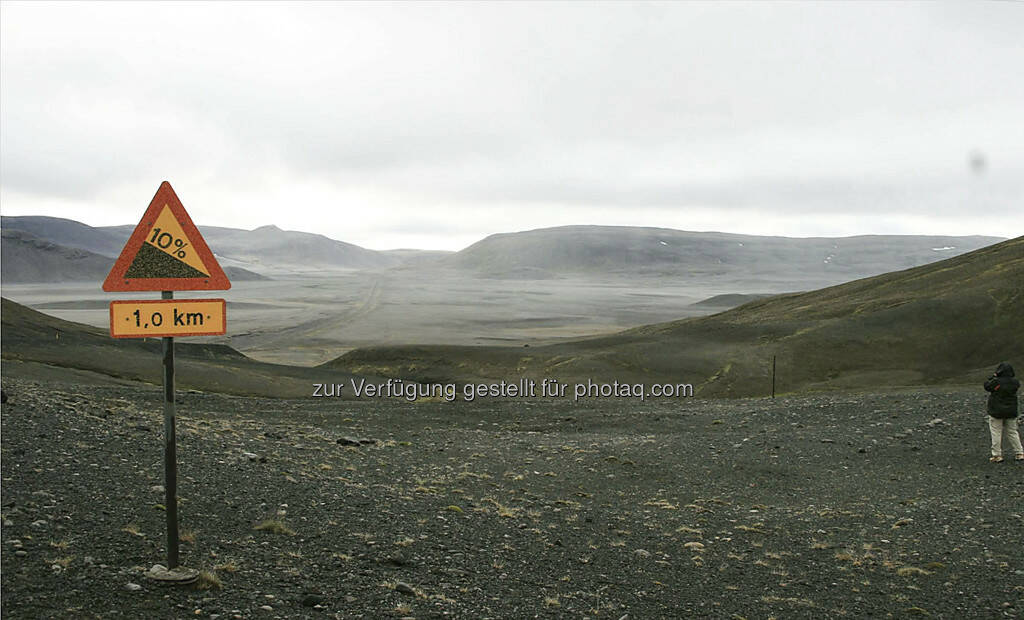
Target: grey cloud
793,106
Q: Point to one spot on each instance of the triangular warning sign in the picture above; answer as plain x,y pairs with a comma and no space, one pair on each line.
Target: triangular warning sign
166,252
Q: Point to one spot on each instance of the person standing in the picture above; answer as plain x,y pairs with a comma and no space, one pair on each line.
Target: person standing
1002,411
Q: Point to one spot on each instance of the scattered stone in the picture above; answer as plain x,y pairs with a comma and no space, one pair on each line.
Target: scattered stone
396,559
252,457
355,441
177,576
107,514
132,587
40,524
20,553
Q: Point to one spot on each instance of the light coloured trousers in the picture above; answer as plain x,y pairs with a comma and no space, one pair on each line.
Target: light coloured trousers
1000,428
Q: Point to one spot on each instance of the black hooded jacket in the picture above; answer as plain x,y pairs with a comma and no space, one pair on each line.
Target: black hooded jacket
1002,402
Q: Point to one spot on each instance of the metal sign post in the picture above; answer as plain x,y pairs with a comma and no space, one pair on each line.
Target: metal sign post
170,450
166,253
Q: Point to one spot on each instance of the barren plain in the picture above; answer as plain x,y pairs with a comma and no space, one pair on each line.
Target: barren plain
308,321
830,505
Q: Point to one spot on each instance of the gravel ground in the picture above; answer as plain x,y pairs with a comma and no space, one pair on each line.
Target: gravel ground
857,505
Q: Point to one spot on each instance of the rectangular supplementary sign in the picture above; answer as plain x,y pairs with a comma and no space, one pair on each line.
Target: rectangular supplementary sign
157,318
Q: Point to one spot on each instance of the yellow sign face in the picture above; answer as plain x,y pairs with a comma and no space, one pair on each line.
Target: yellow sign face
165,252
168,237
158,318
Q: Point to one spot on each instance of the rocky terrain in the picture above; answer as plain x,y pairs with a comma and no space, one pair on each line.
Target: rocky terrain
816,506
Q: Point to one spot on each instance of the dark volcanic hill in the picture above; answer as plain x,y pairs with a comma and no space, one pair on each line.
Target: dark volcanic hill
270,246
32,337
69,233
26,258
729,300
949,321
610,249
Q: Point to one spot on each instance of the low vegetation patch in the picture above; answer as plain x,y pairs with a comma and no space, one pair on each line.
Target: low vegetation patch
208,581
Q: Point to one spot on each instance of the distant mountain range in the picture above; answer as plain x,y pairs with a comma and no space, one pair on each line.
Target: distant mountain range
655,251
47,249
66,250
946,322
268,249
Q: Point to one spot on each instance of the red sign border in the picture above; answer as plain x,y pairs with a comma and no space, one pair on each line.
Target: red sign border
223,311
116,282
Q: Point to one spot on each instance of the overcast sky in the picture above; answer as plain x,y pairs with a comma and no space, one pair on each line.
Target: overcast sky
434,125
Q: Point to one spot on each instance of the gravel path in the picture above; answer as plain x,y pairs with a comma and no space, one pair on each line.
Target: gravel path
813,506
